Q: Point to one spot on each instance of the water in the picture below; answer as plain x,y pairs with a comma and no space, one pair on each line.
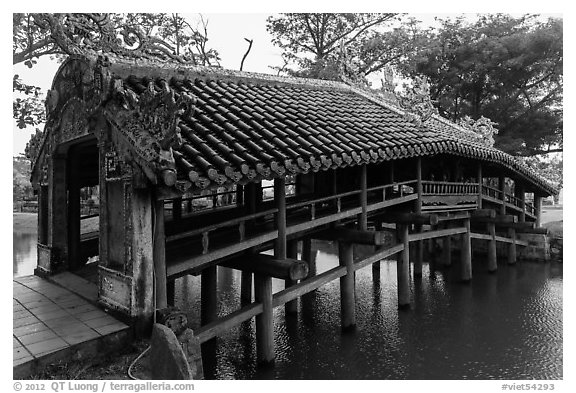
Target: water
506,325
501,326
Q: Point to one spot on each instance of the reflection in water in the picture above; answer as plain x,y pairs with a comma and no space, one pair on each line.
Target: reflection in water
506,325
24,253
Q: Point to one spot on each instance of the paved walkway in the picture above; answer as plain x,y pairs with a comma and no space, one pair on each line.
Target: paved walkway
52,323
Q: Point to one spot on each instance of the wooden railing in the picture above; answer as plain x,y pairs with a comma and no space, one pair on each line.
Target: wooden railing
329,208
448,188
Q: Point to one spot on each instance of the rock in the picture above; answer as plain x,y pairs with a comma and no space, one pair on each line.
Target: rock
167,359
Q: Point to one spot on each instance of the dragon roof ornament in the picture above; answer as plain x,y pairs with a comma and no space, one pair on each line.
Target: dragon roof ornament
482,129
77,33
416,102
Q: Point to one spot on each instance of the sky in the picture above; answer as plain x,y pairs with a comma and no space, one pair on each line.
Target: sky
226,33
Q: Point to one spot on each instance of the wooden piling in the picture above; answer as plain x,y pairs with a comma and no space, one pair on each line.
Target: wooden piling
347,282
209,295
265,320
291,307
512,246
492,258
403,267
466,253
419,253
376,265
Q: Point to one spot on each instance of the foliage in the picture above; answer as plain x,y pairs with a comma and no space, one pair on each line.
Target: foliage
549,168
21,186
317,44
56,35
504,68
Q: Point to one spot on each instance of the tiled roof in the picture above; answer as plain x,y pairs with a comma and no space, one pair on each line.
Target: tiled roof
248,126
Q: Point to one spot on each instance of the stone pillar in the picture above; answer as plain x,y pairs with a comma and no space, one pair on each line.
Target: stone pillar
538,208
160,257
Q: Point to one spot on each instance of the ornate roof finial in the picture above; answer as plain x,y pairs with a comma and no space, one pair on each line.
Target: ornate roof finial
482,129
416,101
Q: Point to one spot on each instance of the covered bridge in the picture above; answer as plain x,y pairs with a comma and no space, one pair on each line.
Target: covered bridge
197,167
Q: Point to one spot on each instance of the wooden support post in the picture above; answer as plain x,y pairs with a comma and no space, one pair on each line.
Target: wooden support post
160,257
492,259
376,265
363,218
171,292
512,246
447,248
280,199
403,267
502,188
418,258
308,257
239,195
209,295
347,283
466,254
246,288
265,320
480,183
538,208
291,307
522,196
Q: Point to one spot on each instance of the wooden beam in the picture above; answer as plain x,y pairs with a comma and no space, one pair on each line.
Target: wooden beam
454,217
498,220
378,256
307,286
160,257
536,231
436,234
486,213
403,267
264,320
222,325
270,266
410,218
355,236
347,283
466,254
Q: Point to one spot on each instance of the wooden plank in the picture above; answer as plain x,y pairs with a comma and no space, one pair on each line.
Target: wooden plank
498,220
222,325
356,236
437,233
200,260
508,240
392,202
383,254
268,265
538,231
307,286
454,217
480,236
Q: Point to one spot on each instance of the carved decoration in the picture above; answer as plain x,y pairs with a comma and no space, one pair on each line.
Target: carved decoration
416,102
151,120
77,32
482,130
73,123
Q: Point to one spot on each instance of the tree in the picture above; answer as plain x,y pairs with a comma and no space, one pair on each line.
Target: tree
315,42
506,69
58,35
